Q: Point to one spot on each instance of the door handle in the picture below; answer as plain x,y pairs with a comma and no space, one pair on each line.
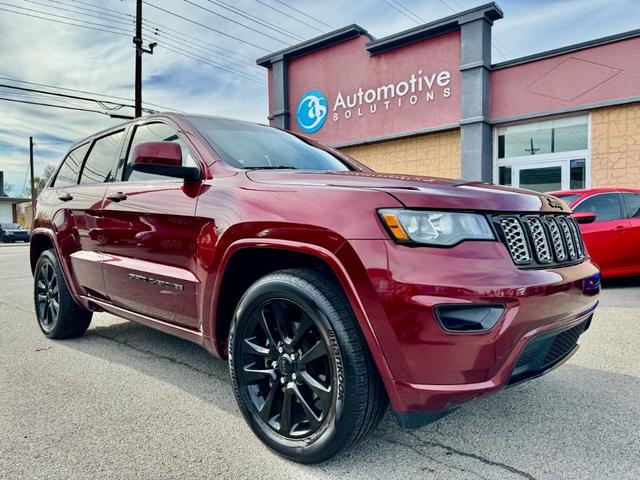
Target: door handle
620,228
65,197
117,197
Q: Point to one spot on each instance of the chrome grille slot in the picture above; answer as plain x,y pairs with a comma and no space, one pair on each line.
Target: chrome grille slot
516,240
568,238
540,240
556,238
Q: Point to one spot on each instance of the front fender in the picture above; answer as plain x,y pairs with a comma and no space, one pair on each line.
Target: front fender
321,253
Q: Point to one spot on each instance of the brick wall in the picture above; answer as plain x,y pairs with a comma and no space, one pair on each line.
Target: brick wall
435,154
615,146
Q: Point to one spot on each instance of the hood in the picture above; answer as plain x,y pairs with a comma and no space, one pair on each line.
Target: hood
421,192
15,230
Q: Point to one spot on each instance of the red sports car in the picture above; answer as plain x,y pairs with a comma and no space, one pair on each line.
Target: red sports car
609,220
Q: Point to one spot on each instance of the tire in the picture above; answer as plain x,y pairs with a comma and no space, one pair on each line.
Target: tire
69,319
336,397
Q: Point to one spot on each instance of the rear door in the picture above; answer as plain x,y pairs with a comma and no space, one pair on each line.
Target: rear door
150,236
632,206
607,236
80,185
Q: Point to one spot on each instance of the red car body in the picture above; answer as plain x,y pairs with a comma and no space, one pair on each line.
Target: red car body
613,239
191,238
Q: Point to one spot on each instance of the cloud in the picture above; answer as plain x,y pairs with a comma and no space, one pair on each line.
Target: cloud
51,53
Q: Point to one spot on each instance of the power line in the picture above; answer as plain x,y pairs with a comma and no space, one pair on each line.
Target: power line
13,79
64,23
214,64
303,13
205,26
101,103
404,11
237,23
62,16
181,52
253,18
151,30
56,106
168,29
289,16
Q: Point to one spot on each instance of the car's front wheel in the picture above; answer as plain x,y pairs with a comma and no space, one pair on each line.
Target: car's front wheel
58,314
303,377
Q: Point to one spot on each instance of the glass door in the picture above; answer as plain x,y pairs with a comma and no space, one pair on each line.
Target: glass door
561,174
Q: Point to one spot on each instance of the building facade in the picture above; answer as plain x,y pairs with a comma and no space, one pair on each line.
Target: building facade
429,101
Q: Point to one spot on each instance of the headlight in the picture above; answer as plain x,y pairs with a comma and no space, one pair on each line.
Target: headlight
435,228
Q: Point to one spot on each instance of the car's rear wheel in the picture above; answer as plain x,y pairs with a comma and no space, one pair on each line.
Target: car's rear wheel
302,374
58,314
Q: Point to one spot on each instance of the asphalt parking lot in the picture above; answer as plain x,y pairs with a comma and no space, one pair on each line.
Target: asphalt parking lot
125,401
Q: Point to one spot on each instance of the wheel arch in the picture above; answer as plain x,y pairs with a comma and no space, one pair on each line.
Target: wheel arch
282,254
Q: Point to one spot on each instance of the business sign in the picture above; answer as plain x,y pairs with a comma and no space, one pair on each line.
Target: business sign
344,95
311,111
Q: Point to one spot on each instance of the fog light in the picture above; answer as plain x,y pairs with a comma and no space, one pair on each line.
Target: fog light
468,318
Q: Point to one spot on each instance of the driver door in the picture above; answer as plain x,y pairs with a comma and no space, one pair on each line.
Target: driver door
150,235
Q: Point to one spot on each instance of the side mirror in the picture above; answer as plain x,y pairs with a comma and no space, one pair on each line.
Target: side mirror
584,217
162,158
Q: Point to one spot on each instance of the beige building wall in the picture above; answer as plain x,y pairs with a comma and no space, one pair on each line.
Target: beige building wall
615,146
434,154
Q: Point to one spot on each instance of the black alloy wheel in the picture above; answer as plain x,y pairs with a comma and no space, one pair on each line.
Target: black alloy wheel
286,369
47,296
58,314
300,368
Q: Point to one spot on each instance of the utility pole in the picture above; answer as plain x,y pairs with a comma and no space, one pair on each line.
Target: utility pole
33,186
137,41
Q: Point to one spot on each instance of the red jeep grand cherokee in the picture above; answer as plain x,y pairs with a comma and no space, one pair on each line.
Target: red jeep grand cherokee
330,288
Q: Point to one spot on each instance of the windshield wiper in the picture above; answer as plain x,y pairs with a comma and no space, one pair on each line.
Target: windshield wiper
271,167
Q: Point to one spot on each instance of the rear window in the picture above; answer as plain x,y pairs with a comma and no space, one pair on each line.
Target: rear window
68,173
251,146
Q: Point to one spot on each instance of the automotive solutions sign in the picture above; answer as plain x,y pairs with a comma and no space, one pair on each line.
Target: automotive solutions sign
312,107
343,95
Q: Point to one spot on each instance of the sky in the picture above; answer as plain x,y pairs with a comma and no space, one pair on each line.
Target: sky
210,68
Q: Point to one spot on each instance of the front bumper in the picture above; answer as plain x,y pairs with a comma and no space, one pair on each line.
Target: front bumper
432,370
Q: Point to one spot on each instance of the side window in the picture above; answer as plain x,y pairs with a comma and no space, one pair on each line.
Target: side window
100,164
606,206
68,173
632,201
154,132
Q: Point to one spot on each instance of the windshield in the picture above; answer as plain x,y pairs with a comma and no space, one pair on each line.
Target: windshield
251,146
10,226
569,198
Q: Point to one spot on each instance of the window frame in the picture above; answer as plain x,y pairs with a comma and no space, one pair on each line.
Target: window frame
621,204
52,181
94,140
128,142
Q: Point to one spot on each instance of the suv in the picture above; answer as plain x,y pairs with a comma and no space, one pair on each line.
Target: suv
12,232
330,289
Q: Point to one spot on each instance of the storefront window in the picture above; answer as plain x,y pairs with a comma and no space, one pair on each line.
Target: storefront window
545,156
551,136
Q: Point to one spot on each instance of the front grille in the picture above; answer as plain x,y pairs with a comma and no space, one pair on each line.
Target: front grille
543,352
540,240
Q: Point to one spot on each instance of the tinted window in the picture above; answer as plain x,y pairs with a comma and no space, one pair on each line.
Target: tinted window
100,164
247,145
632,201
154,132
606,206
68,173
